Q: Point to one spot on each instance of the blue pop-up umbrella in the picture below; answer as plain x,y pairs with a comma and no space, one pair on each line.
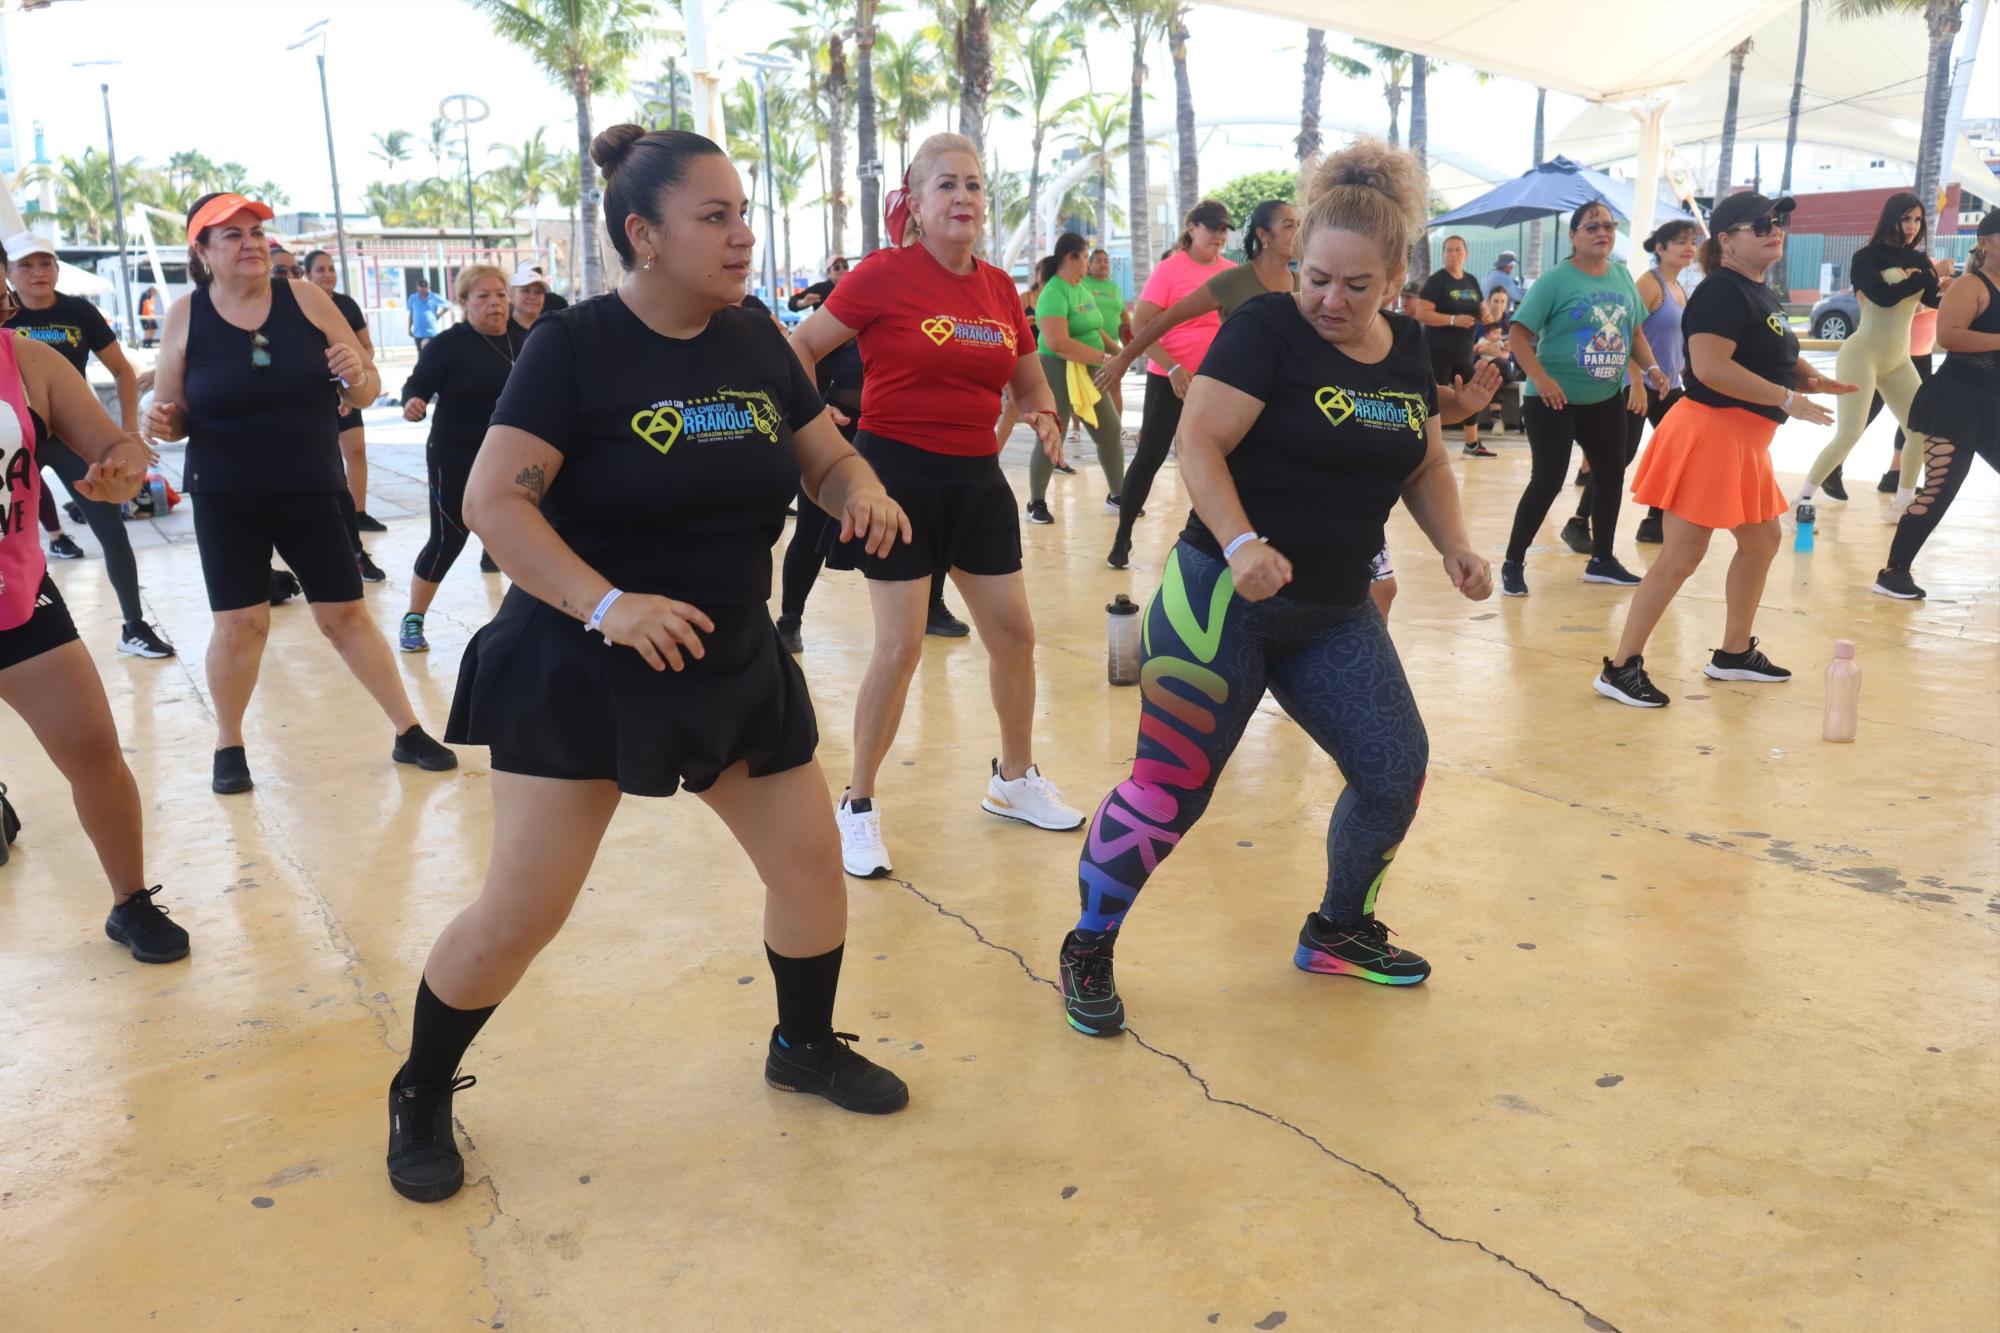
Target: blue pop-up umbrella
1557,186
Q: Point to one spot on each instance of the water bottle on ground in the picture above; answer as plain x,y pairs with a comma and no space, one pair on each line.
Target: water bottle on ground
1843,693
1122,634
1803,539
157,486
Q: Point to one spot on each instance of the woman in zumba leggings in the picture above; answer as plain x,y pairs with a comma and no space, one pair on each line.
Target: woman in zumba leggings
1311,416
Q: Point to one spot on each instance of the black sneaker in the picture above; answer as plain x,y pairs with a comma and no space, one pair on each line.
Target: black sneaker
1650,530
1629,684
231,773
366,522
1038,512
370,571
1065,469
832,1069
141,925
788,635
1513,582
424,1164
1121,554
1576,535
1360,950
1897,583
139,640
486,565
1834,487
944,624
62,546
1890,481
1750,664
1089,992
284,586
1478,450
416,747
1608,570
75,511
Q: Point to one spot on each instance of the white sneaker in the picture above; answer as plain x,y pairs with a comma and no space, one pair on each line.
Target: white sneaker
1030,798
861,851
1893,511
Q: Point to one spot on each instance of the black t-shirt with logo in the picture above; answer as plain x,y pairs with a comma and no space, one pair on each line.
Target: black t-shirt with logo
1731,306
1452,296
1325,461
677,453
461,373
73,326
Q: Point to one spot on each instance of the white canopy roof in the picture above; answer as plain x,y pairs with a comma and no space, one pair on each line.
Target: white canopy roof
1864,89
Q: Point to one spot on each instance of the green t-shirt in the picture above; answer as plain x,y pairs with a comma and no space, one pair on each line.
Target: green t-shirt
1583,328
1069,301
1110,303
1232,288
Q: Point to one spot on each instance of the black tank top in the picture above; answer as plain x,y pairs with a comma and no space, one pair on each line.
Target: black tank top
1978,370
260,428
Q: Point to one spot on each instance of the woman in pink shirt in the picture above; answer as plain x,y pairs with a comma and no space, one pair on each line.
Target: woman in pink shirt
1176,357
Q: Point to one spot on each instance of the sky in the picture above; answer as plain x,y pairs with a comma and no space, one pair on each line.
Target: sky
215,75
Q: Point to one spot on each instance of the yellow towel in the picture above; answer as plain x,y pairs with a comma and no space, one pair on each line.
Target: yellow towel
1083,394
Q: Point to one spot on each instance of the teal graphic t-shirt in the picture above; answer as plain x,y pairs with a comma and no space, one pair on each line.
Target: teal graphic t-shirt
1583,328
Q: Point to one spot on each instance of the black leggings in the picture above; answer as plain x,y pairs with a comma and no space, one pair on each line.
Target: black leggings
1161,417
1946,466
1635,429
448,533
107,524
1600,429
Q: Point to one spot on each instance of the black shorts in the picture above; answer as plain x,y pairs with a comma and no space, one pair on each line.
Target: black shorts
1448,362
237,533
47,627
962,515
555,701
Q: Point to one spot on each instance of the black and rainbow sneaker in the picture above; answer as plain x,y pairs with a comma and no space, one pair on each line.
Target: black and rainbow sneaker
1360,950
1090,993
424,1161
832,1069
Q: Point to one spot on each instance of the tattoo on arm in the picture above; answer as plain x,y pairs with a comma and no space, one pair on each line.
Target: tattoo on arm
533,482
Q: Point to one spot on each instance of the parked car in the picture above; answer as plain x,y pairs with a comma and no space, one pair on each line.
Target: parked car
1835,317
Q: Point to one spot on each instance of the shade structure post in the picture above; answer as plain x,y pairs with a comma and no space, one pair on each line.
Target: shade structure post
1651,115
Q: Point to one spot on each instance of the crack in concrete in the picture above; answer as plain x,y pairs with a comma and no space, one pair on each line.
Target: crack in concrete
1594,1320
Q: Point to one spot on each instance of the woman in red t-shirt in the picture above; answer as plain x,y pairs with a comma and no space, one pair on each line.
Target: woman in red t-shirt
941,334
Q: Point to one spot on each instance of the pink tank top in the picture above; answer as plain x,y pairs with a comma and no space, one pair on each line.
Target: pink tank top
22,562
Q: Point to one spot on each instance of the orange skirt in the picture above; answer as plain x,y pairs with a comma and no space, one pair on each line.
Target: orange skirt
1711,466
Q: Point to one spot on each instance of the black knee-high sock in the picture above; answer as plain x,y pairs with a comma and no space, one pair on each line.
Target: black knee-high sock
806,988
439,1037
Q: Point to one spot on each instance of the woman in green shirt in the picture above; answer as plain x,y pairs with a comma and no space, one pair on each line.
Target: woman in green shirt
1111,305
1070,328
1576,336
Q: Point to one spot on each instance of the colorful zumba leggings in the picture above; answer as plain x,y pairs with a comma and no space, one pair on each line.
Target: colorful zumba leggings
1208,658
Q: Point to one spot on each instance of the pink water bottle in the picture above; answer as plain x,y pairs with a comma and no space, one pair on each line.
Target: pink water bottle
1843,693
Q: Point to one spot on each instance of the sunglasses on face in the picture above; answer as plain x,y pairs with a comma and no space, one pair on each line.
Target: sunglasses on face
283,271
1763,227
260,351
1595,228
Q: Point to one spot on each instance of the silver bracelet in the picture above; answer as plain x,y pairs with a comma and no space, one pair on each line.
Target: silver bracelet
1229,551
595,625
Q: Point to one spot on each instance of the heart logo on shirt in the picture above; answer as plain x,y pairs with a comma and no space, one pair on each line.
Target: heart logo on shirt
1775,325
657,426
1334,404
938,329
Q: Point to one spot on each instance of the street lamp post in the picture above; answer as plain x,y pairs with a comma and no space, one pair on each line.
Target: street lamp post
317,32
466,117
764,65
117,208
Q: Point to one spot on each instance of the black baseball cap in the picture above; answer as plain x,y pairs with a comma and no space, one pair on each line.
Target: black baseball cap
1739,209
1988,225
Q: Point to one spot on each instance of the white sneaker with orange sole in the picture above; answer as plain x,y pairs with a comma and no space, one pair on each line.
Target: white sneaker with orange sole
1030,798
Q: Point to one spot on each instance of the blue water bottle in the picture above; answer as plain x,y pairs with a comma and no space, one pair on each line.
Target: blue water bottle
1803,541
157,486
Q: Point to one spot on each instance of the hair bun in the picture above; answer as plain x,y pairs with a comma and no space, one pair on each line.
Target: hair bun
608,149
1370,164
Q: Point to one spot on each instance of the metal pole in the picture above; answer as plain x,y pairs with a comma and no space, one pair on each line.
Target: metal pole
333,169
770,192
118,222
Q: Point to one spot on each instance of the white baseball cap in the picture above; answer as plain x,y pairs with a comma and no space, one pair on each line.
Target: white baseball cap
22,244
527,274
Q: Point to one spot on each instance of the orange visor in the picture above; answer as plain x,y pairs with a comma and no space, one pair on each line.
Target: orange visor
221,208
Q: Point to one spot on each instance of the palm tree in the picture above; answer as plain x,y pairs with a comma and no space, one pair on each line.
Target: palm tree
1798,91
791,158
1308,141
1941,18
564,179
527,169
1188,179
866,131
825,31
438,144
1393,63
1144,21
1042,56
1737,53
906,89
1103,128
969,26
83,191
584,46
391,149
1420,131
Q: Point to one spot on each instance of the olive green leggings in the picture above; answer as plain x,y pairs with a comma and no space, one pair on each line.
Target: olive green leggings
1110,444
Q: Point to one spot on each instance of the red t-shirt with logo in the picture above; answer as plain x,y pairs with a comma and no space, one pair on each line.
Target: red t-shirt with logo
936,348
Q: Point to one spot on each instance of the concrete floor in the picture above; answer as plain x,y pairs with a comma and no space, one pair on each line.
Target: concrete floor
1711,1041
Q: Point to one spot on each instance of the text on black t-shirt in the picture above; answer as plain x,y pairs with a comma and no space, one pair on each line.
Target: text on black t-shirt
73,326
1731,306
